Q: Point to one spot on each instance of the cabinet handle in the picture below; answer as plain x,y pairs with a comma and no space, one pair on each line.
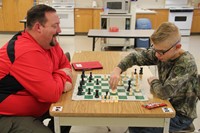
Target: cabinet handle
78,16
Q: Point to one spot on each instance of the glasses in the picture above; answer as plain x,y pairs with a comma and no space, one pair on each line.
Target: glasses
162,52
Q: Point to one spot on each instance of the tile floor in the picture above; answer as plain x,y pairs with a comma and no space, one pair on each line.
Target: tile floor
83,43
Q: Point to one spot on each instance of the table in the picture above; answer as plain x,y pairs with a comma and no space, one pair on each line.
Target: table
95,113
127,34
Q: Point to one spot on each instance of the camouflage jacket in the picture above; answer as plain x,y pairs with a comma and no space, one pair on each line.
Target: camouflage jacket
178,79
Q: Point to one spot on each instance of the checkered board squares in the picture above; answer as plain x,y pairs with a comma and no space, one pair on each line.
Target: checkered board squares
103,87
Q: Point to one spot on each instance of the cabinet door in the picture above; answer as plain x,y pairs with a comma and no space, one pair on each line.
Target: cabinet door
161,16
22,7
96,18
196,21
151,17
83,20
1,20
19,9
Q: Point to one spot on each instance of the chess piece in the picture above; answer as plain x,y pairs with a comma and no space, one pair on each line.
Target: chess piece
120,83
102,99
125,76
97,82
132,75
82,80
89,91
80,91
116,99
130,92
141,72
90,77
105,78
106,95
135,72
137,88
83,73
129,86
96,93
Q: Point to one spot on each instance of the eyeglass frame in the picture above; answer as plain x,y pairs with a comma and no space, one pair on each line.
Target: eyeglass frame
160,52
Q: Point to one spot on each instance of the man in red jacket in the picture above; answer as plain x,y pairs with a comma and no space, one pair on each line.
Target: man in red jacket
34,72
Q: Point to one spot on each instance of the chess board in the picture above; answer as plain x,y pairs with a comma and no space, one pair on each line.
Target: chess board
103,87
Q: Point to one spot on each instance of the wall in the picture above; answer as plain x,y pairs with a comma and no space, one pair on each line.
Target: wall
139,3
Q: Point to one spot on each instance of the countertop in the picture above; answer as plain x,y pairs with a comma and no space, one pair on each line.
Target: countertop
139,11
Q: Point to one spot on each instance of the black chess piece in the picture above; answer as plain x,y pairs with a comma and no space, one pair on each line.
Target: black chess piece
129,86
96,93
89,91
80,91
141,70
83,73
90,77
82,80
135,71
97,82
106,95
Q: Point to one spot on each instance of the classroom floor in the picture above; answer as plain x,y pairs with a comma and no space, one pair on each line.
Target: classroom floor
83,43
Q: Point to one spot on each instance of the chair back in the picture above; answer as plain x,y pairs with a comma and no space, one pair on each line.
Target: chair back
142,23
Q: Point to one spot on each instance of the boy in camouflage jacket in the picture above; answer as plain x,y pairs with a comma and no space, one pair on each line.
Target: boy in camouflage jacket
178,76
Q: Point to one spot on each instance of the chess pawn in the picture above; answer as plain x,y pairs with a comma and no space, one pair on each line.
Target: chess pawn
132,75
102,99
116,99
125,76
120,81
111,99
136,82
105,78
140,76
136,76
137,89
130,92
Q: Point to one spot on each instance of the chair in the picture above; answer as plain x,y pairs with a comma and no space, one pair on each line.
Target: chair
142,23
68,56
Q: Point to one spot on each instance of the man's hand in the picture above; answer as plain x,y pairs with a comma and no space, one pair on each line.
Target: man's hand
67,71
114,78
67,87
150,79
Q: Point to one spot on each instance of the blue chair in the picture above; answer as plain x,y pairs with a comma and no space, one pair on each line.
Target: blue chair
142,23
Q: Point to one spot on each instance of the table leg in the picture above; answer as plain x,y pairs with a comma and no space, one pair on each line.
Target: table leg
149,42
93,44
57,125
166,125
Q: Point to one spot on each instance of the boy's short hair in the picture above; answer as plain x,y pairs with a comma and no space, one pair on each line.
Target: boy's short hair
167,32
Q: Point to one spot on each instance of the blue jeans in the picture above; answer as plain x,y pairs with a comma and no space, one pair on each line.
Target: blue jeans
177,123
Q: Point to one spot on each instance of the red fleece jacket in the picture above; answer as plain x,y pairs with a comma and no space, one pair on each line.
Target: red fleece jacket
38,72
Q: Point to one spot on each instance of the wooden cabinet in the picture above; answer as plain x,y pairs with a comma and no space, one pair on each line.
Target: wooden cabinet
196,21
161,16
96,18
157,18
86,19
1,20
12,12
83,20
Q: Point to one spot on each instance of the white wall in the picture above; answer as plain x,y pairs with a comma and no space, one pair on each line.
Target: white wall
140,3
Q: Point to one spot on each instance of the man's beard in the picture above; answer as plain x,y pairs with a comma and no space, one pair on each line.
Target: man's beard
52,43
